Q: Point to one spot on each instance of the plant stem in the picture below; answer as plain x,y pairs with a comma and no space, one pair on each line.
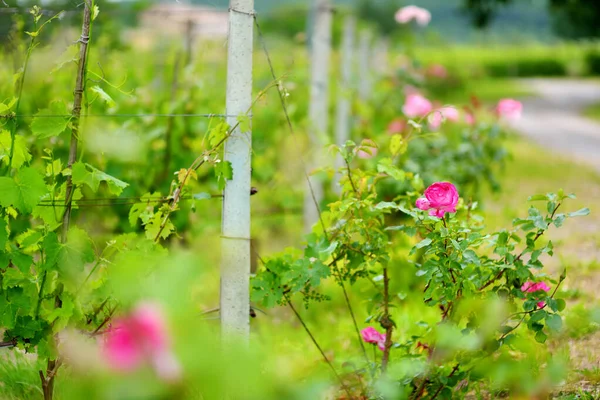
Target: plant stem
312,338
77,100
386,322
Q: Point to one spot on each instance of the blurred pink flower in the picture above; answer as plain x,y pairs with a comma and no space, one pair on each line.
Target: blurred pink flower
469,116
371,335
409,13
397,126
437,71
532,287
440,198
138,338
440,115
509,109
371,152
416,106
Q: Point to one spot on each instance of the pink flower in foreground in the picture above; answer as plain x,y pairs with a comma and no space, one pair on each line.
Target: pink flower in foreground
371,335
396,126
440,198
139,338
469,116
416,106
532,287
371,150
509,109
409,13
442,114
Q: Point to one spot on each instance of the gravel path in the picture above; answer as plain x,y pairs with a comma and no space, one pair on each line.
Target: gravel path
553,117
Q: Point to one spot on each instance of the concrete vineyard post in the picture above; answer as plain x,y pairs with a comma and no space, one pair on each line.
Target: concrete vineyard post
235,228
342,122
320,51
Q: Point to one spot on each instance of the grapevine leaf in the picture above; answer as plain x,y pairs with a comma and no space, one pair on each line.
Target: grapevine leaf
103,95
43,126
86,174
224,172
21,153
24,191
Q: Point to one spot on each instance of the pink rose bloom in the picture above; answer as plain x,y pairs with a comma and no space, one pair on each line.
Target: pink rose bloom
371,335
372,151
396,126
139,338
442,114
509,109
416,106
437,71
440,198
470,119
409,13
532,287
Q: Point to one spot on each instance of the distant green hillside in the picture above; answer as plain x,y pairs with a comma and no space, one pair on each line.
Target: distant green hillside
527,20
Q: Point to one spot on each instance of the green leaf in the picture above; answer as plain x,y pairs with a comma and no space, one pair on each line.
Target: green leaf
24,191
244,123
153,227
52,249
398,145
12,277
6,107
147,203
3,235
223,172
86,174
103,95
554,322
540,337
423,243
48,122
538,197
21,153
580,213
386,205
218,134
95,12
386,166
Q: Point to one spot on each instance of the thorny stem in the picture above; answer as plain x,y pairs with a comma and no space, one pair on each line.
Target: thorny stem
386,322
537,236
350,177
312,338
442,385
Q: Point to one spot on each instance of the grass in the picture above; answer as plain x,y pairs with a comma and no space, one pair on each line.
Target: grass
592,112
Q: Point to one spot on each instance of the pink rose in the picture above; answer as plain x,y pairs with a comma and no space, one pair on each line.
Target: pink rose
409,13
371,335
397,126
440,198
442,114
437,71
532,287
416,106
138,338
509,109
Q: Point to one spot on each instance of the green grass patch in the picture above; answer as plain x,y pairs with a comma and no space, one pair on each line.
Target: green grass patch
592,112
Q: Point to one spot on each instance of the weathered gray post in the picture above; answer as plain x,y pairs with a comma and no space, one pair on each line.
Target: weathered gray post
342,121
235,242
320,51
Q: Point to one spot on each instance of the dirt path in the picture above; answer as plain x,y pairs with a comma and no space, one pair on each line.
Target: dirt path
553,117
